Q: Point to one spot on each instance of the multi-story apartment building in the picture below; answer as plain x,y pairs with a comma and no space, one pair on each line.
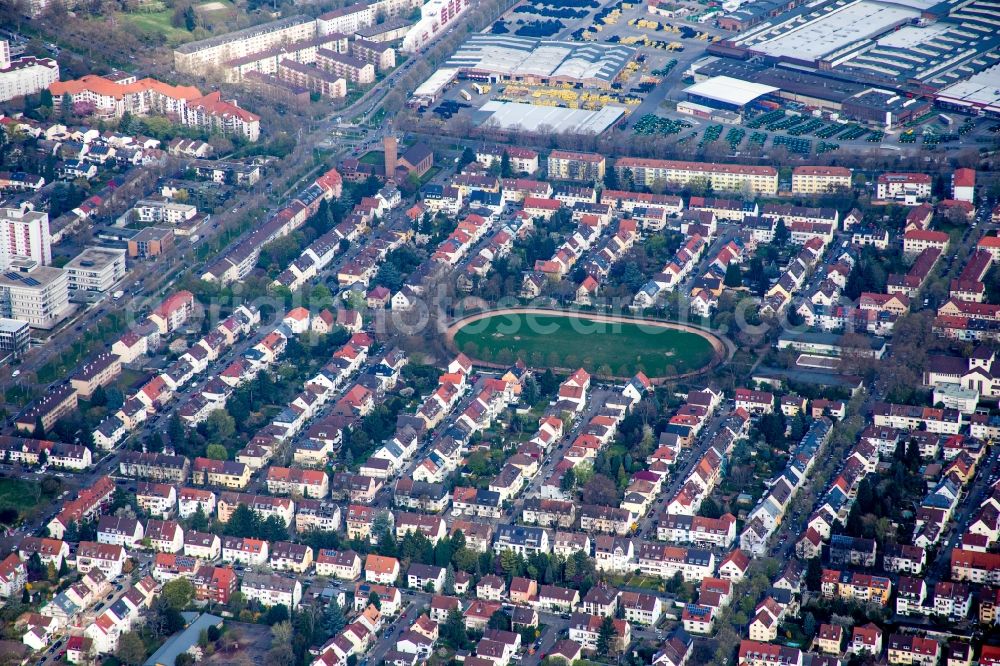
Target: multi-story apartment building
381,55
189,500
343,564
109,558
611,520
34,293
245,551
318,515
908,188
98,371
96,269
435,17
24,234
909,649
202,545
311,483
205,55
112,99
272,590
26,75
214,584
820,179
327,84
119,531
351,68
162,211
153,466
88,503
48,409
266,506
156,499
222,473
581,167
723,177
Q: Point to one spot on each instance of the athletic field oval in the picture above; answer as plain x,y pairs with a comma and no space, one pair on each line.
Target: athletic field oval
606,345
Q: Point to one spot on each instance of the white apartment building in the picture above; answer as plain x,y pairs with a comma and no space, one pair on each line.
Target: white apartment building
155,211
907,188
96,269
202,56
33,293
272,589
24,233
24,76
435,17
728,177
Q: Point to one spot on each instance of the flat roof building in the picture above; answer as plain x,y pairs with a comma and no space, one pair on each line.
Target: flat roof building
15,336
36,294
726,92
96,269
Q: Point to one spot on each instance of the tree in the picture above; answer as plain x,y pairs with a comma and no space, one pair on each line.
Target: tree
606,636
131,649
733,277
453,632
449,580
499,620
375,600
468,156
39,432
219,425
199,521
611,179
216,452
178,593
175,430
809,625
190,18
332,620
99,398
568,480
600,490
276,614
781,234
506,171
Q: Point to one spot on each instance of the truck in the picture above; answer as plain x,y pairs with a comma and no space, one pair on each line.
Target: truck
947,121
118,294
466,96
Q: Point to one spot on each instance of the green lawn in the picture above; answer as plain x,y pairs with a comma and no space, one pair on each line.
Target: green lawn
158,22
561,341
20,495
375,158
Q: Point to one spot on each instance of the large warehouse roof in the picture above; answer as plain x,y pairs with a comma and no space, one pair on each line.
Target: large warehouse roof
729,90
517,57
828,29
981,90
532,117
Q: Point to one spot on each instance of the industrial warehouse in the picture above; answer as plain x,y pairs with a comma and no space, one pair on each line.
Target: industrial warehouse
880,62
501,57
